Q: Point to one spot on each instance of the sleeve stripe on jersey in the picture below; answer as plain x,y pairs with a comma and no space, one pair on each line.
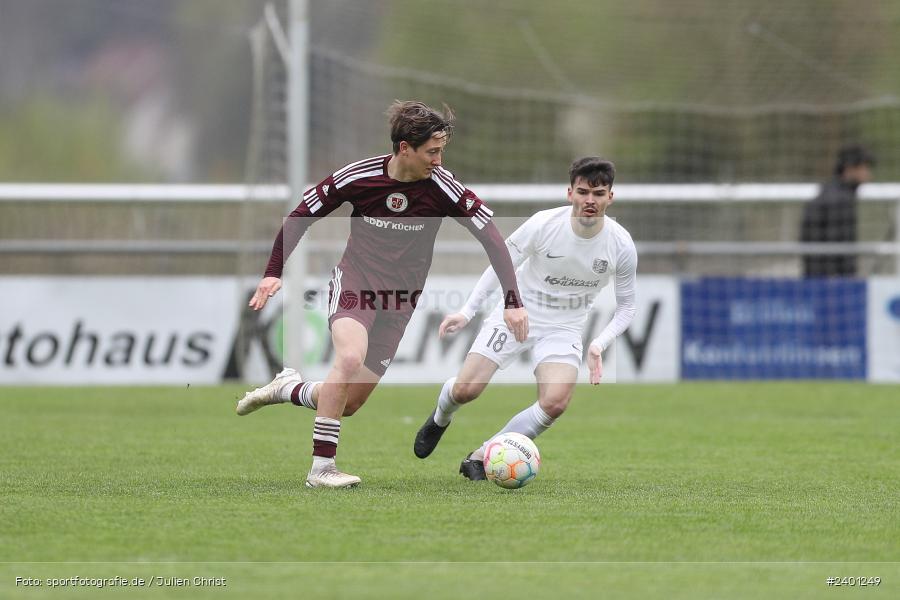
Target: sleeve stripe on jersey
364,166
350,178
356,169
366,163
482,216
451,181
447,190
314,205
446,183
311,198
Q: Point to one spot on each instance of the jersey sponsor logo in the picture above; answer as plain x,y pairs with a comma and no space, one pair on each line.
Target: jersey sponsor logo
600,266
551,256
561,302
393,225
470,202
397,202
566,281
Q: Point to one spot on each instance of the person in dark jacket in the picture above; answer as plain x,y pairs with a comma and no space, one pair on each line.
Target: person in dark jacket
831,216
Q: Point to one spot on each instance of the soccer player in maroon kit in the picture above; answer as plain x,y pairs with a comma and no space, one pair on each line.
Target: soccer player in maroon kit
398,201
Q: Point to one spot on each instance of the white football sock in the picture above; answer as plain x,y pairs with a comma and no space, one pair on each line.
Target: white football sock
446,406
531,422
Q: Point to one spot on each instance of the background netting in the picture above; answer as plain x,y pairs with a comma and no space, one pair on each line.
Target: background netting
674,93
695,101
683,92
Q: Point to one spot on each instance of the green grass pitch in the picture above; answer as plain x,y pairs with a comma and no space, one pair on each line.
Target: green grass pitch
708,490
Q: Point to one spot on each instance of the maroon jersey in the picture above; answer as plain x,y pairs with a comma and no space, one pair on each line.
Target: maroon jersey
395,224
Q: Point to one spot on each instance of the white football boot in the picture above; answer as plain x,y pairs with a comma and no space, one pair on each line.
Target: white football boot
269,393
331,478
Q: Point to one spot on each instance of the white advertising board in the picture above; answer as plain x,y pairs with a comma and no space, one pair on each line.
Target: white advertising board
183,330
647,352
650,350
884,329
107,330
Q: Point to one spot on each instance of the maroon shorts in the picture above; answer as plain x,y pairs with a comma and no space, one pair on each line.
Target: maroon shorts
383,312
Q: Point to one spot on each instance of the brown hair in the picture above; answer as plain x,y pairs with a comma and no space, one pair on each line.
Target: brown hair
414,123
596,171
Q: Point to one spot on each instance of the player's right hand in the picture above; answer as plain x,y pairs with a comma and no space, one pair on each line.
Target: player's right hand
451,324
267,288
516,320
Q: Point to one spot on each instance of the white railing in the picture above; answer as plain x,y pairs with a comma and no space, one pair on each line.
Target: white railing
494,193
121,192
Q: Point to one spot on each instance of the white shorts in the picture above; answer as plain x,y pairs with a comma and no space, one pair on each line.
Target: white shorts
547,343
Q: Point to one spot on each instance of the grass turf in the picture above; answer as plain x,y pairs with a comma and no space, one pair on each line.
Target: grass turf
688,490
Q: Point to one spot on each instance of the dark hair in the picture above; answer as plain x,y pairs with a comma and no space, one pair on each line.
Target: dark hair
414,123
853,155
596,171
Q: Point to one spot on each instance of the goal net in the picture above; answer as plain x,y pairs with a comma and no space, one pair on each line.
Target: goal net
723,120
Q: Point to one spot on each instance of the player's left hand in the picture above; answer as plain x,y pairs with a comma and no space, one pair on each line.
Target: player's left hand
516,320
595,364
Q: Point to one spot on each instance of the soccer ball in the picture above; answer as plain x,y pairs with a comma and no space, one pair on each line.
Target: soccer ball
511,460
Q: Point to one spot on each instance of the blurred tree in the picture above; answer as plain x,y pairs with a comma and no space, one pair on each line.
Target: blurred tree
50,141
81,59
683,89
214,79
688,89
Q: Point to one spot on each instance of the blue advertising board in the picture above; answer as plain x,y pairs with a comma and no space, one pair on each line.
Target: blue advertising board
737,328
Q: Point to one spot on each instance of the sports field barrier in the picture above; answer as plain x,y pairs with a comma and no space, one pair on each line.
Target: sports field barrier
163,236
185,330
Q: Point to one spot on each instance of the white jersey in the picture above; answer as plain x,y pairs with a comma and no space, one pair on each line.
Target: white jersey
561,273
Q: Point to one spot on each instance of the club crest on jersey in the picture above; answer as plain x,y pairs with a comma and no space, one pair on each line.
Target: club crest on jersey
600,265
397,202
470,202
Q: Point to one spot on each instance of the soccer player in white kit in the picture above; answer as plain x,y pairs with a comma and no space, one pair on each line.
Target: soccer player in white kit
563,257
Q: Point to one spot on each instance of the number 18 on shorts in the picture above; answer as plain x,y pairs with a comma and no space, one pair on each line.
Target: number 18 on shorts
546,343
